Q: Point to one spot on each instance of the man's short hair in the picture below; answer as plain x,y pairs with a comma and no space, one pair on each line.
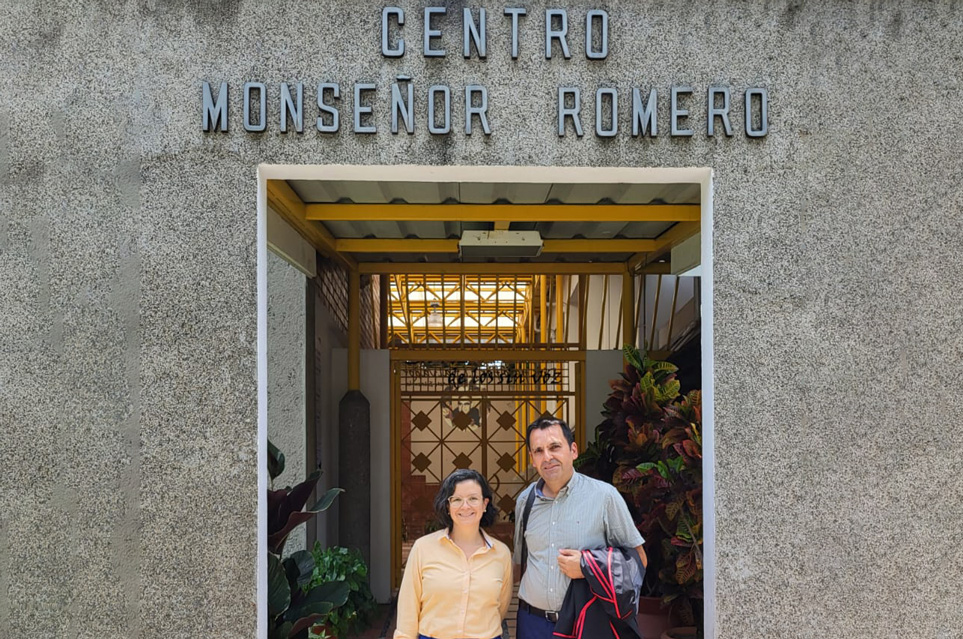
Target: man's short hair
547,421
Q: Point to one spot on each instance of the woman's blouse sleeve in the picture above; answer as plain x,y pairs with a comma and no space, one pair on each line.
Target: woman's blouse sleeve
409,597
505,596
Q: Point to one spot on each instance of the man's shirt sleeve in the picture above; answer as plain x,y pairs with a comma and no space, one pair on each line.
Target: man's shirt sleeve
519,515
620,530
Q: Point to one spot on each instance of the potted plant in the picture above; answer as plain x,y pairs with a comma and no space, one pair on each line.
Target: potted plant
294,601
343,564
649,447
672,488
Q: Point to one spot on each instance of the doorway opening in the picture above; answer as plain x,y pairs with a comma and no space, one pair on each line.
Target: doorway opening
612,242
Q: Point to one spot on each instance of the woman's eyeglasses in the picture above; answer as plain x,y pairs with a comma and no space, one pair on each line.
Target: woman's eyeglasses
458,502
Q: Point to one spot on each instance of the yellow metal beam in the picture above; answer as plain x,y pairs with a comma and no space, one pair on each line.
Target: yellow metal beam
655,313
289,206
354,330
628,309
383,290
633,263
677,234
580,408
543,308
583,292
605,308
396,246
395,426
488,268
347,245
672,237
505,212
598,246
675,298
657,268
484,309
559,309
643,264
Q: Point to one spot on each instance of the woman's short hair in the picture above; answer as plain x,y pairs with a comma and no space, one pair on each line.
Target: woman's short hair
447,489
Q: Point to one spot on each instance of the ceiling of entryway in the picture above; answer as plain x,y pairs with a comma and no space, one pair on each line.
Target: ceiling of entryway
373,222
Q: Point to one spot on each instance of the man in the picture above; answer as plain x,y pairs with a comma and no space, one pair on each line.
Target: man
571,512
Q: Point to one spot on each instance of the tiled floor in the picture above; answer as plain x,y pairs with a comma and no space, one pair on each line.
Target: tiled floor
382,624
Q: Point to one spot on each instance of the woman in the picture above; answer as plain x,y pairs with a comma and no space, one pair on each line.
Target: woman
458,580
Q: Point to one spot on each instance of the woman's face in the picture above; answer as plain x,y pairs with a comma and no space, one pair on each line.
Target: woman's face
466,505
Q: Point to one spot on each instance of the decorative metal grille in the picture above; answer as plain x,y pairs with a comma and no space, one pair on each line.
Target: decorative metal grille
490,378
480,424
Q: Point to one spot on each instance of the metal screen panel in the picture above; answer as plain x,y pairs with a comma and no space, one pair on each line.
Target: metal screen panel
472,415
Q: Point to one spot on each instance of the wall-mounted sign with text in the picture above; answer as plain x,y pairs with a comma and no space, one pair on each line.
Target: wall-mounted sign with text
641,112
484,377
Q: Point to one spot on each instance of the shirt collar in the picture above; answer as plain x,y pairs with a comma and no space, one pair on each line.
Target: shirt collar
572,483
488,542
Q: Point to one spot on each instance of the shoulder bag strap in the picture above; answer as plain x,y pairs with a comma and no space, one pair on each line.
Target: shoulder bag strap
525,514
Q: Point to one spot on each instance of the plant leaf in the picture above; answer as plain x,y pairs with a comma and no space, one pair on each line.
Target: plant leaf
279,591
299,630
298,496
299,567
662,366
325,502
673,436
663,469
284,511
333,592
276,540
692,449
670,390
275,461
685,568
632,356
281,632
319,608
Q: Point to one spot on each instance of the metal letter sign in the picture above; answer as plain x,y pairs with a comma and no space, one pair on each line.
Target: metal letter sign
396,105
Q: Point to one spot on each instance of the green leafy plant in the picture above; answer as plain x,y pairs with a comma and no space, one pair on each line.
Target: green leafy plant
634,414
672,487
294,602
343,565
650,447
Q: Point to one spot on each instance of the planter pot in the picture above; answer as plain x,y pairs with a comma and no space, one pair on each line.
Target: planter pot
681,632
653,618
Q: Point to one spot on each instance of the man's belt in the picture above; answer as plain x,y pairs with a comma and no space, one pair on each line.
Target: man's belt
550,615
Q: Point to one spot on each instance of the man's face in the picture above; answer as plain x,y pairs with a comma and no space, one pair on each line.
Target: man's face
552,455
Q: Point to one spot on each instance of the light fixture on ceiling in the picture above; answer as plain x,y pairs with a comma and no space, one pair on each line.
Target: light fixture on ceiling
434,318
500,244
